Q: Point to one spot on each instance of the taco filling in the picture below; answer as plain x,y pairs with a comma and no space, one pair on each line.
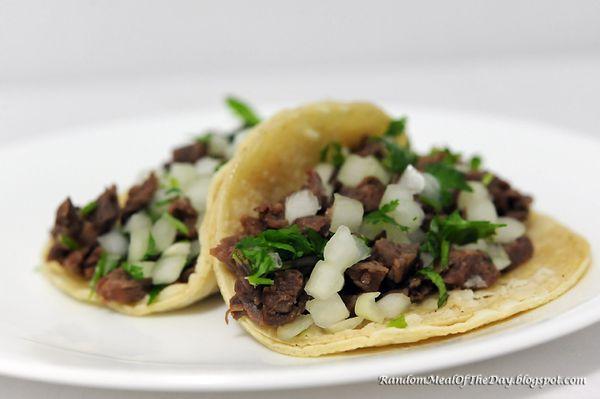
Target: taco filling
132,250
373,229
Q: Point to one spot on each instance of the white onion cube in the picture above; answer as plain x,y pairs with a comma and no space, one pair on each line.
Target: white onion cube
346,212
300,204
356,168
326,313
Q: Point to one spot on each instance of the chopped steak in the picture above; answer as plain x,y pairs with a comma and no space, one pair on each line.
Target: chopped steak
190,153
508,201
367,275
88,234
186,273
252,225
318,223
315,186
68,221
246,301
369,191
91,260
120,287
398,258
470,269
182,209
426,160
418,288
224,252
272,216
107,211
140,196
285,299
519,251
58,252
74,260
350,302
370,147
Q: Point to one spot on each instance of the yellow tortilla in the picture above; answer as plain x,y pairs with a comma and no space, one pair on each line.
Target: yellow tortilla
201,283
273,164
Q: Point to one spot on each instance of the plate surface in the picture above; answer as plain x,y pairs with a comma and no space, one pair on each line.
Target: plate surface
46,336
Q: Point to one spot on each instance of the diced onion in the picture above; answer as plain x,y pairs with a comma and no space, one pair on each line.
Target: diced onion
327,312
367,308
499,257
185,173
343,249
325,280
396,235
417,236
475,282
432,187
291,329
164,233
481,209
197,192
325,171
206,166
299,204
356,168
412,180
408,213
348,324
513,230
138,221
395,192
347,212
168,269
138,244
370,230
114,243
177,249
393,305
218,146
147,268
479,192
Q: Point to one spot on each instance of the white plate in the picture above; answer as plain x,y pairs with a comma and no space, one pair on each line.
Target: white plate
46,336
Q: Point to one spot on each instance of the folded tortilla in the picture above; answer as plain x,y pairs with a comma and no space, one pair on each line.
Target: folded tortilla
272,163
201,283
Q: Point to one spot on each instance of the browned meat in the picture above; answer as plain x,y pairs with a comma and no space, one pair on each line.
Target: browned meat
74,260
224,251
68,220
427,160
370,147
252,225
91,260
285,299
508,201
315,185
519,251
246,301
82,262
369,192
120,287
190,153
318,223
398,258
418,288
107,211
272,215
139,196
57,252
182,209
470,269
350,302
186,273
367,275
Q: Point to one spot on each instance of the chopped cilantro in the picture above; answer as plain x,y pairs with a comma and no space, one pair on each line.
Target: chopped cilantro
396,128
436,279
68,242
151,251
398,322
89,208
153,294
135,271
178,224
381,215
449,179
204,138
242,111
487,179
396,158
105,265
475,163
435,203
333,154
447,156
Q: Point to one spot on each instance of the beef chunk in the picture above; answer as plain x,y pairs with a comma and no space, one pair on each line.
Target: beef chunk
370,147
246,301
315,185
182,209
418,288
139,196
186,273
190,153
272,215
318,223
82,262
398,258
367,275
350,302
285,299
470,269
426,160
68,220
107,211
120,287
369,191
88,265
508,201
57,252
223,253
74,260
252,225
519,251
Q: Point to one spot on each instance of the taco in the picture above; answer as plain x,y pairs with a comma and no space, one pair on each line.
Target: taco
328,234
139,253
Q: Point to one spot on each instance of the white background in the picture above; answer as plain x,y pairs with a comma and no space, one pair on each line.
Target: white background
72,63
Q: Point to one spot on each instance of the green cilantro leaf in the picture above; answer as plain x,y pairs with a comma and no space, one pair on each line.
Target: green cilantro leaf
204,138
105,265
242,111
381,215
398,322
475,163
396,158
449,179
178,224
151,251
436,279
68,242
333,154
135,271
153,294
447,156
396,128
89,208
487,179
